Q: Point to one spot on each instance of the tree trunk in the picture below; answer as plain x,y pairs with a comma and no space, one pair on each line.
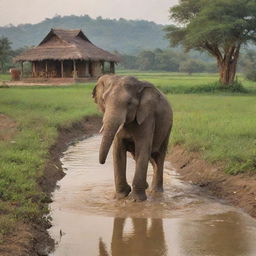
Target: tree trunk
227,72
228,66
2,67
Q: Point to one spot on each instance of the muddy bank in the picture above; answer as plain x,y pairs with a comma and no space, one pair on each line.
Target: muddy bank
239,190
32,238
42,243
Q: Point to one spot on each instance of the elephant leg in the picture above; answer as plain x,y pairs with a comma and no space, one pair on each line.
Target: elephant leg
119,159
158,166
118,243
139,182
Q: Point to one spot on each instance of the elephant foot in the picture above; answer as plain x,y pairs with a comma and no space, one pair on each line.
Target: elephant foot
157,189
138,196
121,194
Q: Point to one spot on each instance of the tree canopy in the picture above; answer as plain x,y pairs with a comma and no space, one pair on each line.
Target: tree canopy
219,27
5,51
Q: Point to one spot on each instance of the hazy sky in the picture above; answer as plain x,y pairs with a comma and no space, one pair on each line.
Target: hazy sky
33,11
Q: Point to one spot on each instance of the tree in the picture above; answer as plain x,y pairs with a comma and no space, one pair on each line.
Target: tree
146,60
5,51
191,66
249,63
219,27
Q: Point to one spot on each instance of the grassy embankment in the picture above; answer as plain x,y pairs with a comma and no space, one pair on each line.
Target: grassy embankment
220,125
38,112
5,77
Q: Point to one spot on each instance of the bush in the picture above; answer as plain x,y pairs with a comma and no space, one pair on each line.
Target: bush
236,87
251,74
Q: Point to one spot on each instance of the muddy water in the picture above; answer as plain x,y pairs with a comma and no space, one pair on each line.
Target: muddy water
87,221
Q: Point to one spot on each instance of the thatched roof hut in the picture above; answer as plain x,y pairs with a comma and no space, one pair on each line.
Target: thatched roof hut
67,53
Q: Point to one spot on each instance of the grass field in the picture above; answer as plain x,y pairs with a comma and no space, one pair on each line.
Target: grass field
220,125
5,77
183,83
39,112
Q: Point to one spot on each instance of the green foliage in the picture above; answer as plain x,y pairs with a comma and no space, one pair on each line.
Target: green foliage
191,66
214,87
219,27
249,62
5,52
224,22
167,60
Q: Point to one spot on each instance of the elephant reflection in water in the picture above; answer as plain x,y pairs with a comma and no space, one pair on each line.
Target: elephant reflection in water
143,240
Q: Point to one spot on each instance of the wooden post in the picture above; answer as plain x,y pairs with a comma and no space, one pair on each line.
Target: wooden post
112,67
62,68
46,69
33,69
74,69
87,69
22,73
102,67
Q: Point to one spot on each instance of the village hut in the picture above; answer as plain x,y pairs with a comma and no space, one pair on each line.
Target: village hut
67,54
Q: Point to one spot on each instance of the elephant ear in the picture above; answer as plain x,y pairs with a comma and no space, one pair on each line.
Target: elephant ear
146,102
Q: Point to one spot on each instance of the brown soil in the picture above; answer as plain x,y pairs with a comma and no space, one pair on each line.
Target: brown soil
239,190
7,127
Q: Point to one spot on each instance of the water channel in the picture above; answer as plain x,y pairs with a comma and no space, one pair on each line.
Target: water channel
87,221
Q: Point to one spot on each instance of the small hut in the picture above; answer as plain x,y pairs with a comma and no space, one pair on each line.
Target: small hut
67,54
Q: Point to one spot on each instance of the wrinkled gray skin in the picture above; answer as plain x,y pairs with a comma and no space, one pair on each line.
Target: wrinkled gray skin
138,119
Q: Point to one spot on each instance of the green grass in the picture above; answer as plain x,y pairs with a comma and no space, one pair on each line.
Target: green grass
220,125
222,128
5,77
39,112
183,83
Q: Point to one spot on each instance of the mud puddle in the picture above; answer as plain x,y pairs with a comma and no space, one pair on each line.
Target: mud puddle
87,221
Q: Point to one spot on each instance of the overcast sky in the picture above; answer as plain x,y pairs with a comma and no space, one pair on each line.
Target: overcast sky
33,11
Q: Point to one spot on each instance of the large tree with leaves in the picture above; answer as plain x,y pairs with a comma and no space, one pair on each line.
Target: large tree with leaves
5,51
220,27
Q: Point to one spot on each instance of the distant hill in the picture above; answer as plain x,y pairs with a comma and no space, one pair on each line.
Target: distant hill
125,36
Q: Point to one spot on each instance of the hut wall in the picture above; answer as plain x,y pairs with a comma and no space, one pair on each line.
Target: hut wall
96,69
39,68
81,66
54,69
68,68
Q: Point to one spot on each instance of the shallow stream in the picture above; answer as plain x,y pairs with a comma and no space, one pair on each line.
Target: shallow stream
87,221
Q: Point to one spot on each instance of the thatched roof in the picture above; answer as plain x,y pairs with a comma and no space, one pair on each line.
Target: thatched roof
62,44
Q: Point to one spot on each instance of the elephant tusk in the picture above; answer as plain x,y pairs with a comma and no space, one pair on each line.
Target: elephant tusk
120,128
101,129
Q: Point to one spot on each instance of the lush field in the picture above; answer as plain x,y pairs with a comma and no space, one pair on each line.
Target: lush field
5,77
220,125
183,83
39,112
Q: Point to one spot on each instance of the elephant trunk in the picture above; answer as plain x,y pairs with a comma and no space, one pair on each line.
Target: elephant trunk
111,126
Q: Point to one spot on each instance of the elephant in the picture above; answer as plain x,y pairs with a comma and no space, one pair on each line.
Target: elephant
145,239
137,119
